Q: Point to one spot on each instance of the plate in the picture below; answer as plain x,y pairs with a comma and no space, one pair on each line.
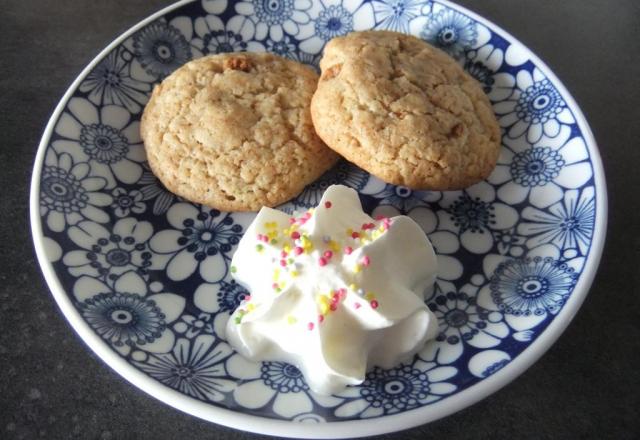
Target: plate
143,277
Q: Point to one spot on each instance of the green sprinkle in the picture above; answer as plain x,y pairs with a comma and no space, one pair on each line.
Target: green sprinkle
274,241
233,269
290,261
259,247
238,319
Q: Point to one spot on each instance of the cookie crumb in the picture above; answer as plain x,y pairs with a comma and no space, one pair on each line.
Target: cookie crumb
237,63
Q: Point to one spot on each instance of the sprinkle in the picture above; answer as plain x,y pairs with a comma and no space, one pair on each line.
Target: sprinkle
291,320
328,254
352,287
294,274
259,247
327,204
355,235
234,269
379,217
247,298
283,263
360,292
289,260
310,326
298,250
265,238
357,305
283,254
320,318
335,247
349,231
286,248
322,261
292,220
275,286
276,274
238,319
374,304
274,241
357,268
295,235
370,296
326,239
324,308
333,307
343,293
348,250
365,260
251,307
259,237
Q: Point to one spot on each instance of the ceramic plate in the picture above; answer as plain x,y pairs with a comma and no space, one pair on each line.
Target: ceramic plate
143,276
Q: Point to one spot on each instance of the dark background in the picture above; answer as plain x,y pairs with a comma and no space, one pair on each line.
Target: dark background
587,386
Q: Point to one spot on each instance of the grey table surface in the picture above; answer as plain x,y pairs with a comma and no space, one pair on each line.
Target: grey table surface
588,384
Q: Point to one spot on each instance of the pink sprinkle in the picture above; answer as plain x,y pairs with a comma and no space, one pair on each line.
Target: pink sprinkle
302,221
357,305
348,250
247,298
328,254
283,254
322,261
333,307
379,217
335,298
295,235
275,285
283,263
292,220
327,204
320,318
366,260
355,235
307,215
374,304
298,250
265,239
343,293
310,326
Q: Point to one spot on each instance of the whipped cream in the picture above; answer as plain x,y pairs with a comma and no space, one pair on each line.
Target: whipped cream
333,291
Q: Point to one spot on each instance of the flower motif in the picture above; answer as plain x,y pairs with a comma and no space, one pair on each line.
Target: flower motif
461,321
161,48
343,173
152,189
450,31
107,255
68,194
275,17
278,384
400,197
541,171
222,297
526,289
125,202
284,47
310,60
214,36
386,392
214,6
110,82
125,315
509,242
193,367
535,108
395,15
482,64
191,326
106,138
472,214
488,362
335,19
567,224
203,238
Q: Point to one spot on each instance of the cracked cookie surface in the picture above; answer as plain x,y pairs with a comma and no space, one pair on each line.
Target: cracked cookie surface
404,111
234,131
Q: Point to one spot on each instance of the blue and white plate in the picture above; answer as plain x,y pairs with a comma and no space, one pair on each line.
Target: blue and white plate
143,276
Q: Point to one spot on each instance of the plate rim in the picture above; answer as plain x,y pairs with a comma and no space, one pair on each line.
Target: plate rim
340,429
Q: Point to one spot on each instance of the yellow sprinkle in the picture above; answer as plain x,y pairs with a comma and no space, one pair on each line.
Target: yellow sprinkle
349,232
294,273
324,308
251,307
335,247
272,234
376,234
370,296
276,274
282,285
357,268
381,229
311,210
291,320
287,248
364,240
353,287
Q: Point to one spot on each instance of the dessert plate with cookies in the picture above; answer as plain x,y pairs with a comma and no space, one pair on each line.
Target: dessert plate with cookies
318,219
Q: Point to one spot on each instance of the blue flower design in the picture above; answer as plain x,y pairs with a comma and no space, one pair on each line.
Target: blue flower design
161,48
343,173
283,377
285,47
531,286
110,82
191,326
203,238
193,367
275,17
395,15
124,318
404,199
493,368
536,166
152,189
539,102
450,31
478,70
567,224
333,21
125,202
386,392
230,295
214,36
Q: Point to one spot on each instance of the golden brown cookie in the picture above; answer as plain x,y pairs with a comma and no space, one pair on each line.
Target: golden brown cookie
404,111
234,131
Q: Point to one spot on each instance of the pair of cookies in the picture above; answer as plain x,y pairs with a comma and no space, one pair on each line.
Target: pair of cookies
244,130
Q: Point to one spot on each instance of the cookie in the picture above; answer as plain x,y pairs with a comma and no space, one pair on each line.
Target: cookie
234,131
404,111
